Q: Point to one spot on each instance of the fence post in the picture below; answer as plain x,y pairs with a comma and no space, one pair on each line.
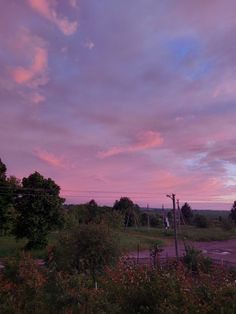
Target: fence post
138,253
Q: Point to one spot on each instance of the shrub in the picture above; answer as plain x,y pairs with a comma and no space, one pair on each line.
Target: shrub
127,288
195,261
86,249
227,224
201,221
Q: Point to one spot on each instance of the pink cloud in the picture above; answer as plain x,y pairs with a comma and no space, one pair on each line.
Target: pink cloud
37,69
48,158
144,141
46,8
188,187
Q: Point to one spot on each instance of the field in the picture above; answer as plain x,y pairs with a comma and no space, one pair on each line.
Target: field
131,239
10,247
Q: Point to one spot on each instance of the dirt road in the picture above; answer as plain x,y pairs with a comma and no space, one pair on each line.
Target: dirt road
221,250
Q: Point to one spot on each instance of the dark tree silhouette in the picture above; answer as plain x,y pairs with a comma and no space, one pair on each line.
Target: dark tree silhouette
39,209
130,210
232,214
187,212
5,197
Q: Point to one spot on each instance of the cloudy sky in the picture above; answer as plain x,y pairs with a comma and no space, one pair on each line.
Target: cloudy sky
121,98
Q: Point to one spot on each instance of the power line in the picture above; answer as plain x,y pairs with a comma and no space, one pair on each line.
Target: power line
87,191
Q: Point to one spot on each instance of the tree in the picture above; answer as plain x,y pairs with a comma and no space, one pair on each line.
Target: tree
232,214
86,249
5,198
128,209
92,209
187,212
39,209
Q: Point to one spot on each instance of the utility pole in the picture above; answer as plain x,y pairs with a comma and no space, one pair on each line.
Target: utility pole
172,196
163,217
178,214
148,218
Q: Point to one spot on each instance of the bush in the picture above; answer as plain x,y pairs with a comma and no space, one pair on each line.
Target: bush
86,249
138,289
127,288
195,261
201,221
227,224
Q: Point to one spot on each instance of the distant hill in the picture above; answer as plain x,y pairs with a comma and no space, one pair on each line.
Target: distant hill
211,213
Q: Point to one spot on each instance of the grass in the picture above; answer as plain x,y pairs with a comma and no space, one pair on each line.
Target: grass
206,234
130,239
10,247
146,238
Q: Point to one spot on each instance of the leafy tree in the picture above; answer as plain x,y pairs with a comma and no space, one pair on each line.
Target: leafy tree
14,186
187,212
91,213
124,204
5,198
128,209
92,208
86,249
144,219
232,214
39,210
112,218
154,219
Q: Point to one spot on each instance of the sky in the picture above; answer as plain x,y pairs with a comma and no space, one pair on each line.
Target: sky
115,98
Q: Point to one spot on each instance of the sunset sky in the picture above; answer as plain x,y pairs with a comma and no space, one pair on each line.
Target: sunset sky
116,98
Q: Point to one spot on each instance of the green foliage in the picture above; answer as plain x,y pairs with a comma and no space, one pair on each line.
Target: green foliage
206,234
91,213
132,238
129,210
232,214
39,210
201,221
154,219
86,249
126,288
187,212
138,289
10,247
227,224
5,199
195,260
112,218
155,251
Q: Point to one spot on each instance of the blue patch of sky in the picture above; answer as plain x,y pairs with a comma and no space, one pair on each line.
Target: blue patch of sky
64,67
231,173
187,57
196,162
182,47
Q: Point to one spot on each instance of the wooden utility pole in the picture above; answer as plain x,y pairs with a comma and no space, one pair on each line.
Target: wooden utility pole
148,218
172,196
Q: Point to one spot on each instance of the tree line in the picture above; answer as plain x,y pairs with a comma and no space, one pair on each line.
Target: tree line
32,207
